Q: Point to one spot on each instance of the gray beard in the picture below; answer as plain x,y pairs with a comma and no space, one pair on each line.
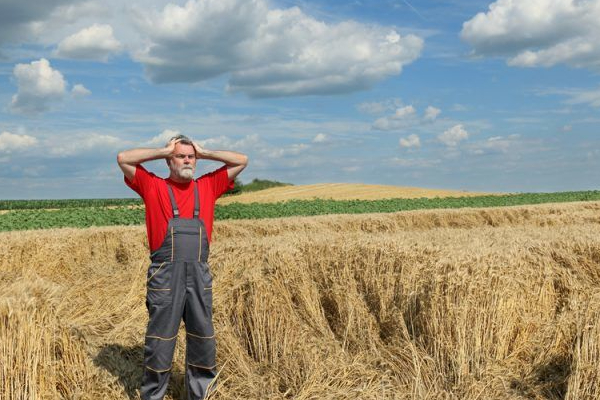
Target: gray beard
184,172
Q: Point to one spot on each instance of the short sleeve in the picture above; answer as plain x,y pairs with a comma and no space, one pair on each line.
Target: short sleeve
141,180
219,180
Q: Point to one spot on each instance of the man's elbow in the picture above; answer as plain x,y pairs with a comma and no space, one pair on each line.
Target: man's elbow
120,158
124,160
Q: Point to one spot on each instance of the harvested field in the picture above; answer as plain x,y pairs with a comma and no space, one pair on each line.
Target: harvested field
496,303
342,191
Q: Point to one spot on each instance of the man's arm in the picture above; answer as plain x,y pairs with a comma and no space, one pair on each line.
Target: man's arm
129,159
235,161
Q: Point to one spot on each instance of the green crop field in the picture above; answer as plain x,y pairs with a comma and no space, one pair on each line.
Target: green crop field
255,185
69,203
44,214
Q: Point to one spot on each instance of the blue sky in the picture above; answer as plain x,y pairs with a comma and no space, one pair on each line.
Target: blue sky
472,95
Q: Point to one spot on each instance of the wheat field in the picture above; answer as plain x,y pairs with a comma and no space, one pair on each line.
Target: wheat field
452,304
342,191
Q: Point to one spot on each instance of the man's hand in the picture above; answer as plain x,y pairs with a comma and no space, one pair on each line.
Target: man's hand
200,152
170,147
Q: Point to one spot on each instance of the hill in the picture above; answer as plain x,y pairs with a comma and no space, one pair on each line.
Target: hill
342,191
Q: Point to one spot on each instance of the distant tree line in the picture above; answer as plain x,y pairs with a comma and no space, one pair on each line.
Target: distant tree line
256,184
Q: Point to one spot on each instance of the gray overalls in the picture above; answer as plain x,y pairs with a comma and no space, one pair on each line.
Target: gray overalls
180,285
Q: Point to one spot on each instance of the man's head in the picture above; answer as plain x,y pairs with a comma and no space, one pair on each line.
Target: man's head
183,161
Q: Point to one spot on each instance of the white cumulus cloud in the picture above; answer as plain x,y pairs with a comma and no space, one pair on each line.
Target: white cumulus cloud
96,42
404,112
247,142
39,85
320,138
162,139
431,113
405,117
10,141
291,150
451,137
266,51
83,143
410,141
79,90
538,32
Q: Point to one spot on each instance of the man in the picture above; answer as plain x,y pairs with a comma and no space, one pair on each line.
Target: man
179,218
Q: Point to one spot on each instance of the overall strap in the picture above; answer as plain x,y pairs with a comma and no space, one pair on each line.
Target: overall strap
173,203
196,200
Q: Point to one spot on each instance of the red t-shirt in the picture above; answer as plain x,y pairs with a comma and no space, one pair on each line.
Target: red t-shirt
153,190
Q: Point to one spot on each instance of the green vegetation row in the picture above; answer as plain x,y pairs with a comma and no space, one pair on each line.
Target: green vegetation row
68,203
102,216
256,184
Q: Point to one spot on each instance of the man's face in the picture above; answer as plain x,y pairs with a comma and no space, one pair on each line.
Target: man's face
183,162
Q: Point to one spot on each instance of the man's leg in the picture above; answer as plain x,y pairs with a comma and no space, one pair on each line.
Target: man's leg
200,338
165,305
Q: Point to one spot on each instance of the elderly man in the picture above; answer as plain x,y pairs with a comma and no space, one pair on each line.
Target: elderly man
179,219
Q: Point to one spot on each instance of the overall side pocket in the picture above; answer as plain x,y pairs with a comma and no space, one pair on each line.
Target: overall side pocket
158,283
207,287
